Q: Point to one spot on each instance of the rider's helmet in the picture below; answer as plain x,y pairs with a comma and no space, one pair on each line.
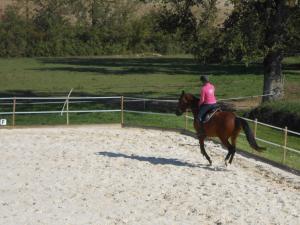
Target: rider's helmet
204,78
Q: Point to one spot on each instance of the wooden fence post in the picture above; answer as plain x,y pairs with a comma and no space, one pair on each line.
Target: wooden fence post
284,145
122,111
186,119
14,112
67,103
67,111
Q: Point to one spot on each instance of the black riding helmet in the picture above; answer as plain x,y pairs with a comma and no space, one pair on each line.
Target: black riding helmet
204,78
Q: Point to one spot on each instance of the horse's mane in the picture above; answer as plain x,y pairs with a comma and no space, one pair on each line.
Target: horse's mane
195,97
195,100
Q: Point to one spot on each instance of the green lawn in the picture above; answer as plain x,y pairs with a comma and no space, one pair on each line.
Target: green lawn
129,76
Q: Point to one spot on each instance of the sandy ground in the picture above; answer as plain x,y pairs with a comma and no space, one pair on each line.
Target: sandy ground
110,175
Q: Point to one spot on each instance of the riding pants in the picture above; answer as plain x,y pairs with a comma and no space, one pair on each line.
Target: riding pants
204,109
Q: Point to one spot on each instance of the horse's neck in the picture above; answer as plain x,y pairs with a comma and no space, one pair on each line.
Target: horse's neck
194,106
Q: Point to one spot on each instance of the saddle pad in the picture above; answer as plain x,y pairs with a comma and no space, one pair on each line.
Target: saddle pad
210,114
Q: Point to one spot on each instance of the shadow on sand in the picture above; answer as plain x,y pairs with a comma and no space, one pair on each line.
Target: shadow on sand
160,161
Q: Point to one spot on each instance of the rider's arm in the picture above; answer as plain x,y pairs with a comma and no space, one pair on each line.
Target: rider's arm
202,96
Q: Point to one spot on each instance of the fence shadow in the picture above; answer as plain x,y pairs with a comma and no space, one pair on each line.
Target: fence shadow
160,161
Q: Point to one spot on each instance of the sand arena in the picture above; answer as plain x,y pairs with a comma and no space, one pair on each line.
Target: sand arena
113,175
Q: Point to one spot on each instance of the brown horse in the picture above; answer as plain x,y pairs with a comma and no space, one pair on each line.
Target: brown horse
223,124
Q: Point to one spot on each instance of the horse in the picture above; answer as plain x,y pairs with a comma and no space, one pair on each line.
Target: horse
223,124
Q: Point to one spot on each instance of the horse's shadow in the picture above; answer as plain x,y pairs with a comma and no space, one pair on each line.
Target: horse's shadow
160,161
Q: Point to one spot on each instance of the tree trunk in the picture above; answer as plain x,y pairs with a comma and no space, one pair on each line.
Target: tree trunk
273,77
276,14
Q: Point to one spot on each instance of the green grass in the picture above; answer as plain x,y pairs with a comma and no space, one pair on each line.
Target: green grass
272,153
275,153
151,77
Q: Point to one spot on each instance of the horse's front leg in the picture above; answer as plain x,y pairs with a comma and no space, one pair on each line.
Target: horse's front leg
201,142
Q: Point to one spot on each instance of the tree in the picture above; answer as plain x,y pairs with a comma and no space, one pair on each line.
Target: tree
267,29
12,34
256,29
205,46
194,22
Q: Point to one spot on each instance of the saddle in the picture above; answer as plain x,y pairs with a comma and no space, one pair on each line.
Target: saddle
210,114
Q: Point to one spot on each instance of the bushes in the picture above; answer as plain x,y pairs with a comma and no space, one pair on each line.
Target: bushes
12,35
49,33
280,114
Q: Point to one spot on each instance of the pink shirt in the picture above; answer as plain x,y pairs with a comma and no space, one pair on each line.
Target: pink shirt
207,94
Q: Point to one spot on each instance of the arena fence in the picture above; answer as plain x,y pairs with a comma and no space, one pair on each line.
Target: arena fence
9,107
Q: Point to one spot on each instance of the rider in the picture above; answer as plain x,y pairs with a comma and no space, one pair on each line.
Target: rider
207,99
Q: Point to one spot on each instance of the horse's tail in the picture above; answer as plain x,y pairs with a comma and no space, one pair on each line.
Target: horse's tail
249,135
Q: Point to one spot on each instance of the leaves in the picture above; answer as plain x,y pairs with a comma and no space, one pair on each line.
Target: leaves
81,27
261,27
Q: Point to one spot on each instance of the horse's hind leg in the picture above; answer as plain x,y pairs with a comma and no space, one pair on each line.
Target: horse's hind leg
201,141
233,144
230,149
232,154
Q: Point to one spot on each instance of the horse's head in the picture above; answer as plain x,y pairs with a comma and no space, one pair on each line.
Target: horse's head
184,102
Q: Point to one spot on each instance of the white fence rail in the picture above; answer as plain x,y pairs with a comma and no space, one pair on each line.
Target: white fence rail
64,101
269,142
284,130
59,112
68,100
61,98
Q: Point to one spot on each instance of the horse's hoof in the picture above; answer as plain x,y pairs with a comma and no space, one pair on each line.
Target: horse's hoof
226,164
210,163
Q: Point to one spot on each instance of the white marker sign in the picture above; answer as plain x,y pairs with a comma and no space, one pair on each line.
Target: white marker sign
3,122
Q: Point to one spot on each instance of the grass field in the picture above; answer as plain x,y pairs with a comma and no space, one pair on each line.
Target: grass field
151,77
162,77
